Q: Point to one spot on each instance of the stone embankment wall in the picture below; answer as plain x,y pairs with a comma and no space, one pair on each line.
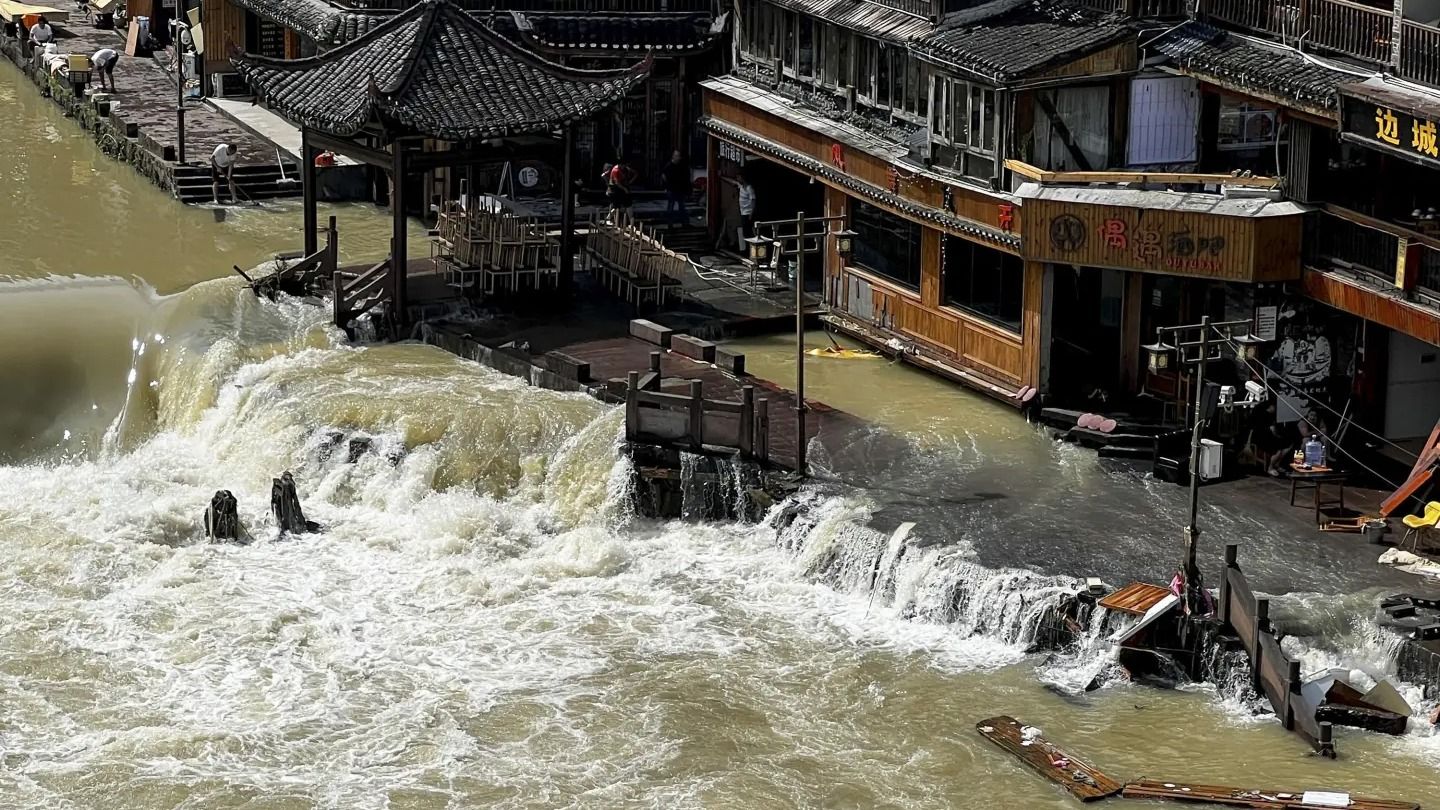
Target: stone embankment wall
115,137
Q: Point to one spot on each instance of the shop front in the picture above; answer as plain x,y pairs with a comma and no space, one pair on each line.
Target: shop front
1121,264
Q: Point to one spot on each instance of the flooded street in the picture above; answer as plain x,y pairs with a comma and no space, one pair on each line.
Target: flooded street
483,623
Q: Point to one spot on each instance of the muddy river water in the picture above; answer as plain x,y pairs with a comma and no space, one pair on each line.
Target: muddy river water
483,624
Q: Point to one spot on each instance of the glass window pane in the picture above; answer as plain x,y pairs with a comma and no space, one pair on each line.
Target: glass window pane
983,281
882,78
988,122
807,47
885,244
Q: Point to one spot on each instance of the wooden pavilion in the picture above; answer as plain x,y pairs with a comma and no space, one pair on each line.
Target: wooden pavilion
430,88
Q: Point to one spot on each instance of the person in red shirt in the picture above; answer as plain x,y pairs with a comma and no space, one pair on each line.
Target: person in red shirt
617,191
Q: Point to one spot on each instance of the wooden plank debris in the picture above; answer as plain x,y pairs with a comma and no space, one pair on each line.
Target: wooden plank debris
1254,798
1136,598
1082,780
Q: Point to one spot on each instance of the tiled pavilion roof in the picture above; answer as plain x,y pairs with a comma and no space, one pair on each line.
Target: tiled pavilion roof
1022,39
432,70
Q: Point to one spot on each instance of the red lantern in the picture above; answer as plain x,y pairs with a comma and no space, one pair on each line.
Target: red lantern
837,156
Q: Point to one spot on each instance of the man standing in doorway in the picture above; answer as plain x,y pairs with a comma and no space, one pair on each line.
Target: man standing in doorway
677,189
747,208
222,167
102,62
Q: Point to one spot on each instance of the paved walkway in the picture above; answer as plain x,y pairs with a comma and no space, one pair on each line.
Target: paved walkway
267,125
146,98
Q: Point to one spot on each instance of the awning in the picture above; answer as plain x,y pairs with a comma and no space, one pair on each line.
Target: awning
1400,99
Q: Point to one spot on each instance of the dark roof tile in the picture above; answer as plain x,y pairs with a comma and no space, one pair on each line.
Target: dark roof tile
663,33
1229,61
1022,39
432,70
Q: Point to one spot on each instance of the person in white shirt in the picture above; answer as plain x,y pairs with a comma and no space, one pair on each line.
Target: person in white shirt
747,207
102,62
222,167
41,32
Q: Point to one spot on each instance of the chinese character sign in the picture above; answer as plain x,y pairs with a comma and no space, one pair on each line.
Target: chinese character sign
1392,129
1387,126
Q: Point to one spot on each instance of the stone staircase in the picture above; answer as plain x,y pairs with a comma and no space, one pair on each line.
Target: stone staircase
686,239
262,181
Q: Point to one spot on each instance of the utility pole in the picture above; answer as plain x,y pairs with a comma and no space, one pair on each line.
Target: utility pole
800,440
1197,345
1192,529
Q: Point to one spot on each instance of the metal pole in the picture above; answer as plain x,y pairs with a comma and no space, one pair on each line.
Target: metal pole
1192,531
800,342
179,85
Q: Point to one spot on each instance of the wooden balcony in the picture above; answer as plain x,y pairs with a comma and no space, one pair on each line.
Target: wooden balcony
562,6
1376,270
1338,26
1387,254
1420,52
1144,9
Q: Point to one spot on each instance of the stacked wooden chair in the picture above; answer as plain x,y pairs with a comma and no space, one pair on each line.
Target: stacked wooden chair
634,264
494,252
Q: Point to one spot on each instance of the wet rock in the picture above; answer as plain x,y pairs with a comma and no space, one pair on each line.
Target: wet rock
285,506
222,518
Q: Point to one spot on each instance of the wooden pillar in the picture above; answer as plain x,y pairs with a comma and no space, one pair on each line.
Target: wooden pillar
567,214
399,244
712,188
1034,331
1131,315
697,413
308,179
632,404
1232,552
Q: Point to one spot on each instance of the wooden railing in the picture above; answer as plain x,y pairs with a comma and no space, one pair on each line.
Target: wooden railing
1420,52
1350,28
1339,26
1353,242
1275,675
1158,178
298,274
690,420
358,293
1257,14
564,6
1427,278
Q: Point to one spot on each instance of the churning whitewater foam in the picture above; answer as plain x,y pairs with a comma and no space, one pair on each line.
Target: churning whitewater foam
481,620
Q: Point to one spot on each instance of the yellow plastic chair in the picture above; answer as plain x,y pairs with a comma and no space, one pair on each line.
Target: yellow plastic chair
1419,526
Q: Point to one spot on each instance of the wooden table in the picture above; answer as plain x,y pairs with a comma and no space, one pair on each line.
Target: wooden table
1315,479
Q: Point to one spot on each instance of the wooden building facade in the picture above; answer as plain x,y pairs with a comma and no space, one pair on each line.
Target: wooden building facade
975,262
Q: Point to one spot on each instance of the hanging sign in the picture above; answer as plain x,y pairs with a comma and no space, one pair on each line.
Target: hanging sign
1266,319
1394,130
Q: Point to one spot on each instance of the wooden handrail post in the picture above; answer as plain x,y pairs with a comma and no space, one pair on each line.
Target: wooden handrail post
332,245
1327,740
1293,676
632,405
1257,655
747,421
762,426
697,413
655,362
1232,552
337,282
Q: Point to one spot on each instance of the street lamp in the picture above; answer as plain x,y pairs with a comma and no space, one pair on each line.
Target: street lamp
1247,346
1159,354
844,241
757,248
788,243
1208,337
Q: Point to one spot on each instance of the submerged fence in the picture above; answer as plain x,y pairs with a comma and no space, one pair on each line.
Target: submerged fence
1274,675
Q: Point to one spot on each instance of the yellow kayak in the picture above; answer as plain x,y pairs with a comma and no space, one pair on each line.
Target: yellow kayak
842,354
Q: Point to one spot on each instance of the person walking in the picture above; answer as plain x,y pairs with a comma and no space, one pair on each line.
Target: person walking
677,189
222,167
617,191
103,62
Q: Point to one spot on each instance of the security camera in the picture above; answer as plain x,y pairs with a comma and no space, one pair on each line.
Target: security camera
1256,392
1227,396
